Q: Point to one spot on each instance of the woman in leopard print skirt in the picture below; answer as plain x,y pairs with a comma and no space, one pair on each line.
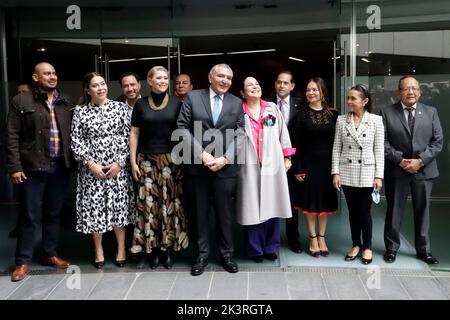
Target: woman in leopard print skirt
161,226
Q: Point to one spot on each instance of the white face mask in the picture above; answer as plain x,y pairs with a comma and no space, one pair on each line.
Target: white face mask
376,197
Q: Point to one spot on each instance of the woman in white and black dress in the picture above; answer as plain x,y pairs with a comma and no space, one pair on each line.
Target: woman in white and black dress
105,199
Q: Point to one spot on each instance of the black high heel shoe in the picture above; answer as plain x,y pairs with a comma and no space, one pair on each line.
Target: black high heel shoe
315,254
121,263
99,264
166,257
323,253
154,259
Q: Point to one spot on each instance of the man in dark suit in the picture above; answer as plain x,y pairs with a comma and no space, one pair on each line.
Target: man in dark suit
211,172
413,139
289,106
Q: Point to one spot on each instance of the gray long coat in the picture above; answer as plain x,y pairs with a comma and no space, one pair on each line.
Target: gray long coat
263,189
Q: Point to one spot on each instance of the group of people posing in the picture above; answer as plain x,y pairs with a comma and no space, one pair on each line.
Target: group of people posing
282,158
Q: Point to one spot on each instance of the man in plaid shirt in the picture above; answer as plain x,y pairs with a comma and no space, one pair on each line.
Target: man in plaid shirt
39,158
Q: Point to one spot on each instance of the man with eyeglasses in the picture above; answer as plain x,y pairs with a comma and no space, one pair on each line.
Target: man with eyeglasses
413,139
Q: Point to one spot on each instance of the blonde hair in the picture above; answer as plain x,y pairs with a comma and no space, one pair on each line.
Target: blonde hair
155,69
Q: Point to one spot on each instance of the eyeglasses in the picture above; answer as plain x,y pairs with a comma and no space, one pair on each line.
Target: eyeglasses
406,89
312,90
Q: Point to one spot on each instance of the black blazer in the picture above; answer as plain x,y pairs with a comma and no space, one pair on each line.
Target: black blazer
195,119
295,105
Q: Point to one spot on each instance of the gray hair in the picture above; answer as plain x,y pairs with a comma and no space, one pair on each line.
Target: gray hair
214,69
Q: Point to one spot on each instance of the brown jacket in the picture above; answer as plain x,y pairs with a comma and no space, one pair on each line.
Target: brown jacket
28,141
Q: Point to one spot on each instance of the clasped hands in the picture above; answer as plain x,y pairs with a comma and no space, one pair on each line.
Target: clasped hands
104,172
213,164
411,165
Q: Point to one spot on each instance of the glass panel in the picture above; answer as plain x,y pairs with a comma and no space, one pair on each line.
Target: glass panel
72,58
407,42
137,55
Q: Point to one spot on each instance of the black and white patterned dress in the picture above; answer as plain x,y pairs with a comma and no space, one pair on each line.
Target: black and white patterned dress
101,133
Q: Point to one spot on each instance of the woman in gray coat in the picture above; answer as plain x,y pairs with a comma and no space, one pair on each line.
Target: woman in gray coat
358,166
263,195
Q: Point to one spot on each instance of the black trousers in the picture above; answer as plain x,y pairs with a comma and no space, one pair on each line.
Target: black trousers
206,192
41,195
359,201
292,233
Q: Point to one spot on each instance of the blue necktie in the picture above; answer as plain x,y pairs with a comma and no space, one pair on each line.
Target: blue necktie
216,109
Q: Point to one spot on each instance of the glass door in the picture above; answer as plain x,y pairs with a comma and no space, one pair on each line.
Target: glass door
72,59
139,55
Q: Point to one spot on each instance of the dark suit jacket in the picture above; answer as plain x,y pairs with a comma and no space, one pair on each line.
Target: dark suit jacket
426,141
295,105
196,118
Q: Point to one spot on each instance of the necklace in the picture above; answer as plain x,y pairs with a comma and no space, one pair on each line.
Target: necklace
163,103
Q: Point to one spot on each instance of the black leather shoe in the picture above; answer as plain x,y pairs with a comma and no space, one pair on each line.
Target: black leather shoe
166,257
295,247
199,267
428,258
390,256
229,265
271,256
154,260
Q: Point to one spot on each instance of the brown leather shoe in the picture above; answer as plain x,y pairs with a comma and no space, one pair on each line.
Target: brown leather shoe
20,272
56,262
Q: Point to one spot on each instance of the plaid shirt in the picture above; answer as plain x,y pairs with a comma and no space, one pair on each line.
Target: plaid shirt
56,149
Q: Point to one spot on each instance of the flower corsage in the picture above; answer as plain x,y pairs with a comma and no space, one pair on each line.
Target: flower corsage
268,118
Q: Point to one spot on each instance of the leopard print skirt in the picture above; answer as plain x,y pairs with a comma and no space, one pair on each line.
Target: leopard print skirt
160,221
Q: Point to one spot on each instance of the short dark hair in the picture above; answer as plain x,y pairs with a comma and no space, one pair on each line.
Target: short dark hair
289,73
364,92
405,77
127,74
